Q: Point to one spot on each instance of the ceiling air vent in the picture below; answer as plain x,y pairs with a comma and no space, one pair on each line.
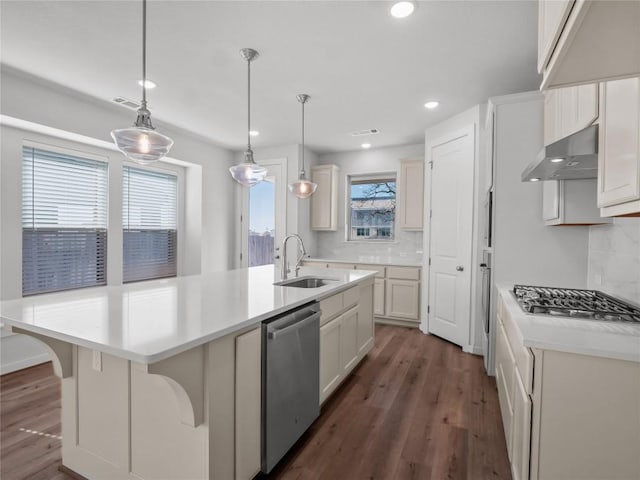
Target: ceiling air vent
369,131
125,102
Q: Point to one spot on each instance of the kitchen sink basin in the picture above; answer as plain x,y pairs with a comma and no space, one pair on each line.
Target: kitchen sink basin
305,282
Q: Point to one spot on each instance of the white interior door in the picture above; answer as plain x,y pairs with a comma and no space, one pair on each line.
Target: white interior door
264,216
450,233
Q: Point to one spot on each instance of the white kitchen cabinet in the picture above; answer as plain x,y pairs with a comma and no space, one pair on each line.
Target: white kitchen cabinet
403,299
330,363
569,110
505,366
585,41
248,396
378,296
552,14
619,148
324,202
410,195
346,334
520,430
571,202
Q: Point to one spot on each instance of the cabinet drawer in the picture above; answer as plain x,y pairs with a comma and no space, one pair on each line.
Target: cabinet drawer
522,355
403,273
330,307
375,268
351,297
349,266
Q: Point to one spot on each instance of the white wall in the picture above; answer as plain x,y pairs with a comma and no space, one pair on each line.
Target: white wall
614,258
209,199
378,160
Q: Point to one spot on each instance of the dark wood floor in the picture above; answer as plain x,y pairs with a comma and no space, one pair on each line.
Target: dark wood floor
417,408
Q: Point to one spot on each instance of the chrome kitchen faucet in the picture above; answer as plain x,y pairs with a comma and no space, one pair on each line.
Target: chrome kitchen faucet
285,265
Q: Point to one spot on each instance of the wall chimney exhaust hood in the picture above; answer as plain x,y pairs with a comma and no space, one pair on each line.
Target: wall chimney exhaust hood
570,158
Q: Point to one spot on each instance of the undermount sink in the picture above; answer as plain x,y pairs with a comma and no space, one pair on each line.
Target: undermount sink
305,282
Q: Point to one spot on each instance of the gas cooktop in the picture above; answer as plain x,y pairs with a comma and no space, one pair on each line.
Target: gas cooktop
570,302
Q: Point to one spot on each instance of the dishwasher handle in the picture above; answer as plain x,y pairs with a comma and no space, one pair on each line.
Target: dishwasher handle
273,334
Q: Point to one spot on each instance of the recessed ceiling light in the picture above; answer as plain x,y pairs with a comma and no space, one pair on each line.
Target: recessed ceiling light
148,84
431,104
556,160
402,9
534,180
366,145
254,133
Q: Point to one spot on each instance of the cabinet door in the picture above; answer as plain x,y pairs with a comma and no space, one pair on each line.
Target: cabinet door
619,142
403,298
552,15
411,194
551,116
551,200
521,431
324,202
248,394
365,318
349,339
378,297
586,108
505,366
330,359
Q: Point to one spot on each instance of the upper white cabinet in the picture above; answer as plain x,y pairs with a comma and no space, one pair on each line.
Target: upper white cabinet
569,110
619,147
324,202
411,194
585,41
551,18
570,202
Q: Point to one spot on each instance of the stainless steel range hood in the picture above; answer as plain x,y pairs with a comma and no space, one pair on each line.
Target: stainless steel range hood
571,158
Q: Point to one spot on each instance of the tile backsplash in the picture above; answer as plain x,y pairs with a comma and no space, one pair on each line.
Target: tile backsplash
614,258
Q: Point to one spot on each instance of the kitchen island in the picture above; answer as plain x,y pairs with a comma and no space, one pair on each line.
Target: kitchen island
162,379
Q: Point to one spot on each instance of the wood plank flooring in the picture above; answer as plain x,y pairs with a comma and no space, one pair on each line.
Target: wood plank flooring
417,408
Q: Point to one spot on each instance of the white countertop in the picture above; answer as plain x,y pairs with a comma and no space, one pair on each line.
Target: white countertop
401,261
153,320
619,340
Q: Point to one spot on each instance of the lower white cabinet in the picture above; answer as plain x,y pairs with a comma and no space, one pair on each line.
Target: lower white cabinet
248,397
573,416
346,335
403,299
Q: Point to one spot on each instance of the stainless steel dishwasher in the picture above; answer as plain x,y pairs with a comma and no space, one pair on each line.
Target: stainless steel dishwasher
290,380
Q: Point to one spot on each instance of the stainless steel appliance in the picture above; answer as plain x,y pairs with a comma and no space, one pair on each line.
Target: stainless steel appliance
571,302
290,380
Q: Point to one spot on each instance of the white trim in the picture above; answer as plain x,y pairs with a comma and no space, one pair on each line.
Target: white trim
24,363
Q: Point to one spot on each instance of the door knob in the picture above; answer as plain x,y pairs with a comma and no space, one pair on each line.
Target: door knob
460,268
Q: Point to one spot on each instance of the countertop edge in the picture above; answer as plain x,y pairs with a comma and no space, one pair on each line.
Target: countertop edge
364,262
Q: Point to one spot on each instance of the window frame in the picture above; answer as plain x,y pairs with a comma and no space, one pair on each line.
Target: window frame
364,177
76,153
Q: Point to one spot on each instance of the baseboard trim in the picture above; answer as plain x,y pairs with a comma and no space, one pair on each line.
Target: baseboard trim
398,323
24,363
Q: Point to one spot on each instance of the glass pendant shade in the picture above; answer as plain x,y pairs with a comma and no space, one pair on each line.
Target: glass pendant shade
141,143
303,188
248,173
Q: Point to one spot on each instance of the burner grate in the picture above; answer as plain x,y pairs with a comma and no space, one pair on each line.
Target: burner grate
574,303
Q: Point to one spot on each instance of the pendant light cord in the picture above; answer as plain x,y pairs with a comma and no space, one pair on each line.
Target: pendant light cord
303,136
249,104
144,53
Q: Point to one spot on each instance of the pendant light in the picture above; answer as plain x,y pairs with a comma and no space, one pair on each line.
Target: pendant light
248,173
303,188
141,143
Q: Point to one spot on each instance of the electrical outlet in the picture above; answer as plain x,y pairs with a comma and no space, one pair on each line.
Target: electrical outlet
97,361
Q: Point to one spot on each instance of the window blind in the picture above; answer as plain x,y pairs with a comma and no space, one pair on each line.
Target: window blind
149,224
64,221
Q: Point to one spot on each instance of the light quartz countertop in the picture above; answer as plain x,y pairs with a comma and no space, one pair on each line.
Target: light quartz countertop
618,340
149,321
396,260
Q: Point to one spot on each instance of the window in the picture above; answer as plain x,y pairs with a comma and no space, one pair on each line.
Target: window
372,207
149,215
64,221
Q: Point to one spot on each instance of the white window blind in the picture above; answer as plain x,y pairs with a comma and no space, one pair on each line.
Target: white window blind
64,221
149,213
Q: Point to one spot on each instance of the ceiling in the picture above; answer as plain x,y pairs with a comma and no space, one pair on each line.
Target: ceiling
362,68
